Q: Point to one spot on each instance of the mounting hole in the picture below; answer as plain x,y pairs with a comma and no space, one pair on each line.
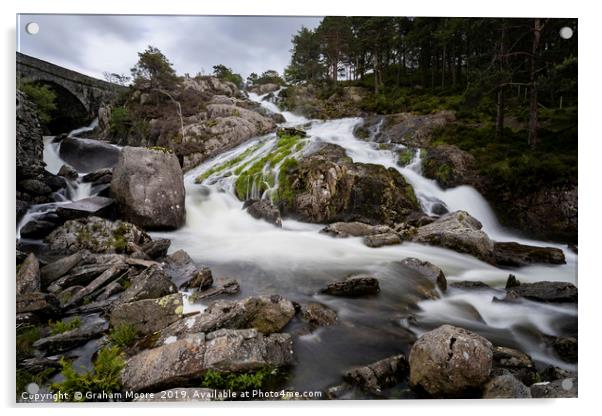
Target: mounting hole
32,28
566,32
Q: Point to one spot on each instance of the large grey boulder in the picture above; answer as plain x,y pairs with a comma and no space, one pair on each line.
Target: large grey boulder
450,362
148,187
457,231
189,358
87,155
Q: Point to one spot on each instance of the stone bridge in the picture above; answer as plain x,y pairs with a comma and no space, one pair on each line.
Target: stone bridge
78,96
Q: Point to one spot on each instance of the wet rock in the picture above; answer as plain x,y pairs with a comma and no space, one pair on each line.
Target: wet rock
111,289
182,270
457,231
470,285
414,130
563,388
188,359
95,234
291,131
427,270
515,362
80,275
21,209
148,315
418,219
354,229
551,292
97,206
152,283
93,288
148,188
450,362
263,210
565,347
505,386
86,155
34,187
327,186
52,271
228,287
358,285
517,255
40,304
89,329
99,177
552,373
318,315
268,314
202,280
380,240
37,229
28,276
379,375
156,248
68,172
450,166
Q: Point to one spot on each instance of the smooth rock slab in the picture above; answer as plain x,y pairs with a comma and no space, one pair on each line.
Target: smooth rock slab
188,359
93,206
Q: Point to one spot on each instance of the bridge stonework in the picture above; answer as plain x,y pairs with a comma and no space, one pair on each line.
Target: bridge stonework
90,92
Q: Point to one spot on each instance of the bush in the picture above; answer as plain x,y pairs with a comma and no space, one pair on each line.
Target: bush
104,377
120,122
43,97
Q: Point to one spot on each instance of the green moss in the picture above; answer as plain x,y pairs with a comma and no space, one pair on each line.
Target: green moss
211,123
104,377
123,335
59,327
285,193
228,164
160,149
405,157
255,380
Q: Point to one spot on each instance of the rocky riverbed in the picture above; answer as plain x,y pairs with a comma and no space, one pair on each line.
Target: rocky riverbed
307,260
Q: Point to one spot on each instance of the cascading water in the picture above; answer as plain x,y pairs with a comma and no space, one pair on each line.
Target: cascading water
296,261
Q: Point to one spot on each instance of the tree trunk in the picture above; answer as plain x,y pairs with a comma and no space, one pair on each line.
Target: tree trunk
533,113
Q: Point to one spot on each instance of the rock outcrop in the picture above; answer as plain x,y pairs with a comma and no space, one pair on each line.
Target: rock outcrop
148,187
357,285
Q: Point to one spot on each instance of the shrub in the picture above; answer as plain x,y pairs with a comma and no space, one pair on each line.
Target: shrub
120,122
43,97
104,377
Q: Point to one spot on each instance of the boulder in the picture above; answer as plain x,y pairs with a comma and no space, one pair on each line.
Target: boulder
354,229
228,287
563,388
517,363
450,362
68,172
374,377
268,314
327,186
317,315
565,347
156,248
470,285
183,272
97,206
148,187
427,270
95,234
87,155
40,304
380,240
148,315
517,255
52,271
262,89
358,285
152,283
88,330
505,386
28,276
550,292
188,359
263,210
457,231
99,177
450,166
34,187
37,229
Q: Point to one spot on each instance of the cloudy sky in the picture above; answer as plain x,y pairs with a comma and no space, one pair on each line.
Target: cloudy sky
93,44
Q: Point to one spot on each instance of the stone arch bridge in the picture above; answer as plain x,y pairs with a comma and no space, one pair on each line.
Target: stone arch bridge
78,96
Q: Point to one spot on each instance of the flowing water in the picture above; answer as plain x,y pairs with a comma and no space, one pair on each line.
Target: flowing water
296,261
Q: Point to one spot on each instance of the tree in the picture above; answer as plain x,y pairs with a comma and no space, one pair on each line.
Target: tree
154,69
118,79
226,74
305,65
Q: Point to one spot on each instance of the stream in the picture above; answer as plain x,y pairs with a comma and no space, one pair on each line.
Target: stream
296,261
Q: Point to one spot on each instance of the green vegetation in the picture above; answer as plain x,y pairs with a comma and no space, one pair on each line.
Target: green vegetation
104,378
285,192
239,381
43,97
160,149
120,122
120,241
254,175
226,74
59,327
153,71
123,335
228,164
405,157
25,339
268,77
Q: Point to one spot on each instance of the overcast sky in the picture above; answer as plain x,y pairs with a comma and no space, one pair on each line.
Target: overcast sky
94,44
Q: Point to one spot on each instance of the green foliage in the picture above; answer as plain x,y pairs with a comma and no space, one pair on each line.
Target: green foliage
104,378
228,164
405,157
120,122
123,335
226,74
120,241
285,193
238,381
25,339
59,327
154,69
43,97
